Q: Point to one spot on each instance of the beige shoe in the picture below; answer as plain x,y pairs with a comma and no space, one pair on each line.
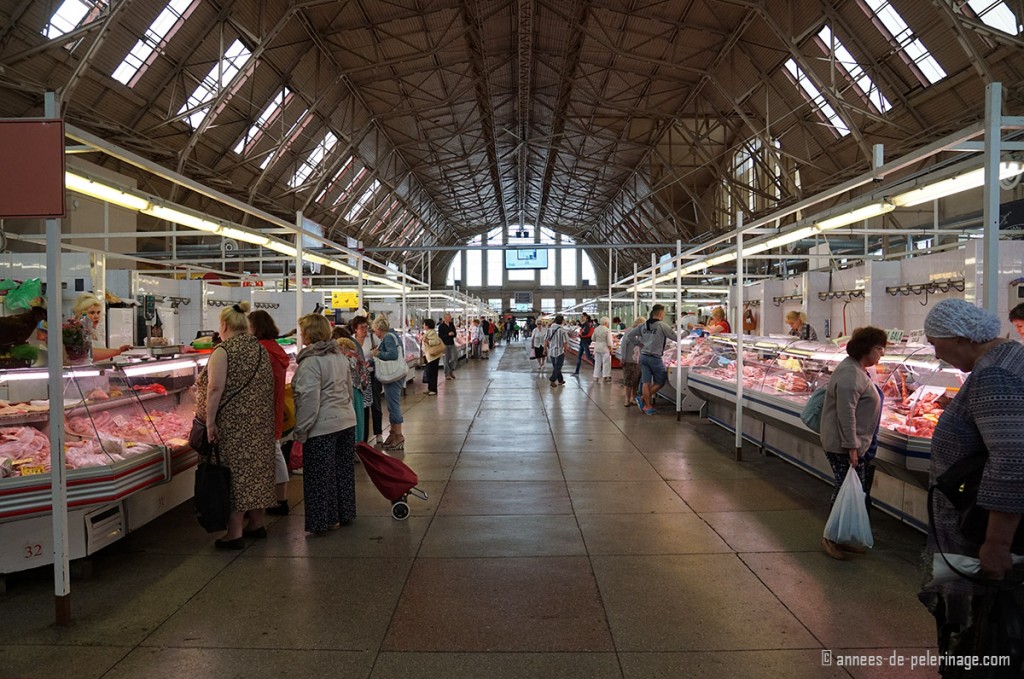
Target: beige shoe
832,549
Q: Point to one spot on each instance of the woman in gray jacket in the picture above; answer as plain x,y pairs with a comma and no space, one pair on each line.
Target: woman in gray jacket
850,416
325,426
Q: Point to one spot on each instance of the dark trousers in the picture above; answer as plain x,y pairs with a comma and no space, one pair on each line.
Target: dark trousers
430,374
584,349
840,463
556,368
378,397
328,481
490,341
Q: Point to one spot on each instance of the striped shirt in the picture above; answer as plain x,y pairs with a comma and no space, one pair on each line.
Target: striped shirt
556,340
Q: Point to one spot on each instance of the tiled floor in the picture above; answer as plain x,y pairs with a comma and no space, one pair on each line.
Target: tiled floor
564,536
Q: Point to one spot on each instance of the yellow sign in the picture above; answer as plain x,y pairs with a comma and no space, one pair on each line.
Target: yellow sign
32,470
344,299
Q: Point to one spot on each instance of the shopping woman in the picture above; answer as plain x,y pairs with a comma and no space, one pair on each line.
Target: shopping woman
985,422
798,327
602,348
325,424
235,398
629,348
390,349
89,306
360,376
263,328
537,342
433,350
850,416
373,419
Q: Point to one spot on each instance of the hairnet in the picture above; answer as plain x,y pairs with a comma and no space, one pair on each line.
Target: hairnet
958,318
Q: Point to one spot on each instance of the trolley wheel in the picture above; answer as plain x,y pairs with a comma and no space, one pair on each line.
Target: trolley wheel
400,510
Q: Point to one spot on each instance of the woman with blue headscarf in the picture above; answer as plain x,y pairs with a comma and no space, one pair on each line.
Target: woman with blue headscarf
985,422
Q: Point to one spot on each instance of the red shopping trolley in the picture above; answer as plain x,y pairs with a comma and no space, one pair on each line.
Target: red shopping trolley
393,478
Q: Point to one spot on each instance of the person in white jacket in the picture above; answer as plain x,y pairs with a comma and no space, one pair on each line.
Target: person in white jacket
602,348
325,426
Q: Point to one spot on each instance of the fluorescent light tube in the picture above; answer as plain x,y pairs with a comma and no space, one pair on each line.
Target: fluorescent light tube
953,185
183,218
278,246
246,236
87,187
136,369
865,212
791,237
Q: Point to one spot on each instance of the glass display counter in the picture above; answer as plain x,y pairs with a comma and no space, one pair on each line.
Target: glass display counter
780,374
126,453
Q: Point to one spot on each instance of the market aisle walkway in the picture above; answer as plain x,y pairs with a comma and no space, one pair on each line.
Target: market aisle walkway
565,536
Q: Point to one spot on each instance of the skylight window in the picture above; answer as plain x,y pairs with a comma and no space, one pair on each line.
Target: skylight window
313,161
995,14
300,124
337,177
350,187
71,15
153,40
817,98
924,64
219,77
363,200
266,119
853,69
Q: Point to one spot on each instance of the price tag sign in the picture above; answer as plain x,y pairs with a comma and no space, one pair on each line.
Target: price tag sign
32,470
894,336
344,299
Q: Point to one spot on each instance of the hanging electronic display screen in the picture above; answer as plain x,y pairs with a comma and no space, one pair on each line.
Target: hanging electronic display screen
526,258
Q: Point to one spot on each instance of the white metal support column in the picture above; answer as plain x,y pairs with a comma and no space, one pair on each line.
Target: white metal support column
298,278
430,283
55,389
990,203
636,293
739,337
359,283
405,314
679,329
609,286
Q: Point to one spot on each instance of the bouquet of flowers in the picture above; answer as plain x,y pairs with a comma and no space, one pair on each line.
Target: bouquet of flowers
77,343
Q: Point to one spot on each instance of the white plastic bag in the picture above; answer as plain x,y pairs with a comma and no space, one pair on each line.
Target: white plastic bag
848,524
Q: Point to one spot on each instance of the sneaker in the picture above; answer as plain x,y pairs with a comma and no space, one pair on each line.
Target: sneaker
650,411
431,393
554,384
639,402
832,549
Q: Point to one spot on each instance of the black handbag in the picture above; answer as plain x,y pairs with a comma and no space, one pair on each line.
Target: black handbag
960,484
213,493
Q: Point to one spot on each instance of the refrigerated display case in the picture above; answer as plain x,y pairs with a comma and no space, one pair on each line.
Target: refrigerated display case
574,347
126,448
780,374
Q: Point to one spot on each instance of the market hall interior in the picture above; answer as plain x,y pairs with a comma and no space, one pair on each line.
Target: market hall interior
564,536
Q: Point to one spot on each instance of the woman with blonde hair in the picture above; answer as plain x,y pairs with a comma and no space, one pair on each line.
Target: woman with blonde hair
602,348
798,327
718,324
90,307
325,423
390,349
235,398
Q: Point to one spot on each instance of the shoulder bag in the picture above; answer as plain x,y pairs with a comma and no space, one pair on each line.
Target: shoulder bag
197,438
393,370
811,414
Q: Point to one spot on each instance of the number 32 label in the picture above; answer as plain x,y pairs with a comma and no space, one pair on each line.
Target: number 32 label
33,551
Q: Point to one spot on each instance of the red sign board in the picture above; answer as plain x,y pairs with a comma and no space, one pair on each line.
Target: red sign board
32,169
